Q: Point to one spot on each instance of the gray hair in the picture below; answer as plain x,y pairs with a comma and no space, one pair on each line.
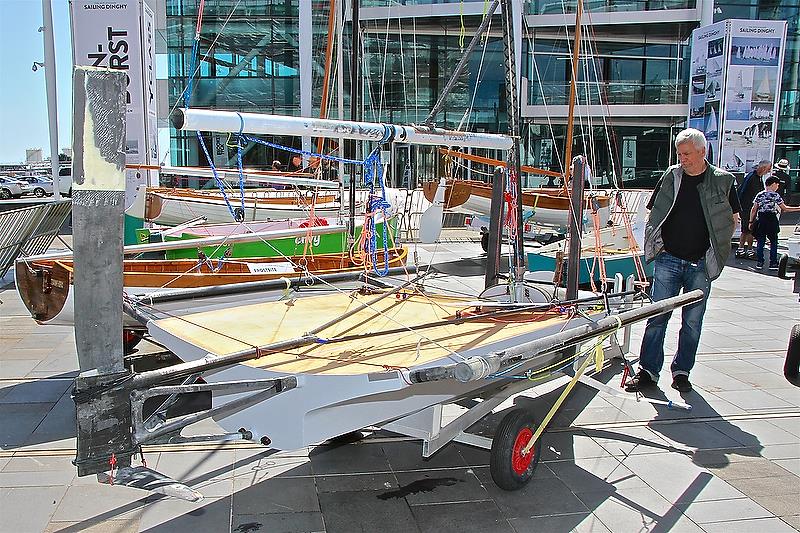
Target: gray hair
764,163
693,136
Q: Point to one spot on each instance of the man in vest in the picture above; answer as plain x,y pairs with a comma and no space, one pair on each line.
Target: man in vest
693,211
752,184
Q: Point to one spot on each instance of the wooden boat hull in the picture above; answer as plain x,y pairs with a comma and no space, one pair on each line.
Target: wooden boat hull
355,384
286,247
171,207
548,207
46,287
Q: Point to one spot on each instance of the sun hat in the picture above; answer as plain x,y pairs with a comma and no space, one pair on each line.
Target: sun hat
783,164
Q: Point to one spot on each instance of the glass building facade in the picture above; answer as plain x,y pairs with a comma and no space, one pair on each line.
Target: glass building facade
632,76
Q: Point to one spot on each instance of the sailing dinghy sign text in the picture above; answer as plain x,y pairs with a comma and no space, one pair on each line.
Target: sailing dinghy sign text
119,36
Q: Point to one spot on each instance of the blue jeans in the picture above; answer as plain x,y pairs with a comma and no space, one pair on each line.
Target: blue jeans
670,275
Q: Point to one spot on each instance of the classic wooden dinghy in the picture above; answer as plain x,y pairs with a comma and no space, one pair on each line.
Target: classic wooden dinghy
543,206
175,206
287,246
356,374
45,286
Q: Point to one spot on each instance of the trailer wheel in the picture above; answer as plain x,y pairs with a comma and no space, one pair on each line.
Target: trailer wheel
783,262
130,338
791,368
485,241
509,468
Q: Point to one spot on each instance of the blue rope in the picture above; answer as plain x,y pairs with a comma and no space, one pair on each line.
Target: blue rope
217,180
239,147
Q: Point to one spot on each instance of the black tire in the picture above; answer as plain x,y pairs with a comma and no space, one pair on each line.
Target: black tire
783,262
791,368
510,470
39,192
5,194
485,242
69,192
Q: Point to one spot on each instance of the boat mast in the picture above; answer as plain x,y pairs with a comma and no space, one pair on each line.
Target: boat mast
323,106
517,270
355,90
577,202
576,47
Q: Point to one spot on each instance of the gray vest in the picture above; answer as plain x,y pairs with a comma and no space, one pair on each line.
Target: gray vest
713,193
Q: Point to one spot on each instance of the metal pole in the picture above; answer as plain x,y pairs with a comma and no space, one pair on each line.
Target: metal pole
52,100
98,202
576,47
495,227
575,228
231,121
514,172
462,63
355,97
304,52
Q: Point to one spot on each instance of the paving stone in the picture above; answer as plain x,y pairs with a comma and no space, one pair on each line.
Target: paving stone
569,445
59,424
631,441
256,466
278,522
755,432
18,420
16,368
756,468
169,515
107,526
723,510
347,512
195,466
790,425
330,459
277,495
769,485
696,436
94,503
541,496
407,455
637,509
578,523
754,400
786,394
38,463
439,486
767,525
793,521
41,478
596,474
790,465
32,507
677,479
357,482
477,517
780,451
778,504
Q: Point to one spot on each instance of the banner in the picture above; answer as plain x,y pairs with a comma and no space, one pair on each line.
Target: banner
707,79
110,34
752,92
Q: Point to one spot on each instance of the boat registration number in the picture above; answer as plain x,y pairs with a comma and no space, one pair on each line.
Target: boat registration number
270,268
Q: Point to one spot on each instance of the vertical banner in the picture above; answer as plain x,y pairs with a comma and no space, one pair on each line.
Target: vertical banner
755,68
629,157
149,78
110,34
707,80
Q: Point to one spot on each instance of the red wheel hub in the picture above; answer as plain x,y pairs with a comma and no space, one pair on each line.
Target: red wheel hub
519,462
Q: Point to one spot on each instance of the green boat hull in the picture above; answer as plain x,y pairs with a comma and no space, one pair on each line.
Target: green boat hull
622,264
285,247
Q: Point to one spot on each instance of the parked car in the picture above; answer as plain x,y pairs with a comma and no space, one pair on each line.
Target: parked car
13,188
65,181
40,185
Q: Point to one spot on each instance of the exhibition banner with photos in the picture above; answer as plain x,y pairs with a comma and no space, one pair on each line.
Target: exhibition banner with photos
752,92
707,79
733,96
